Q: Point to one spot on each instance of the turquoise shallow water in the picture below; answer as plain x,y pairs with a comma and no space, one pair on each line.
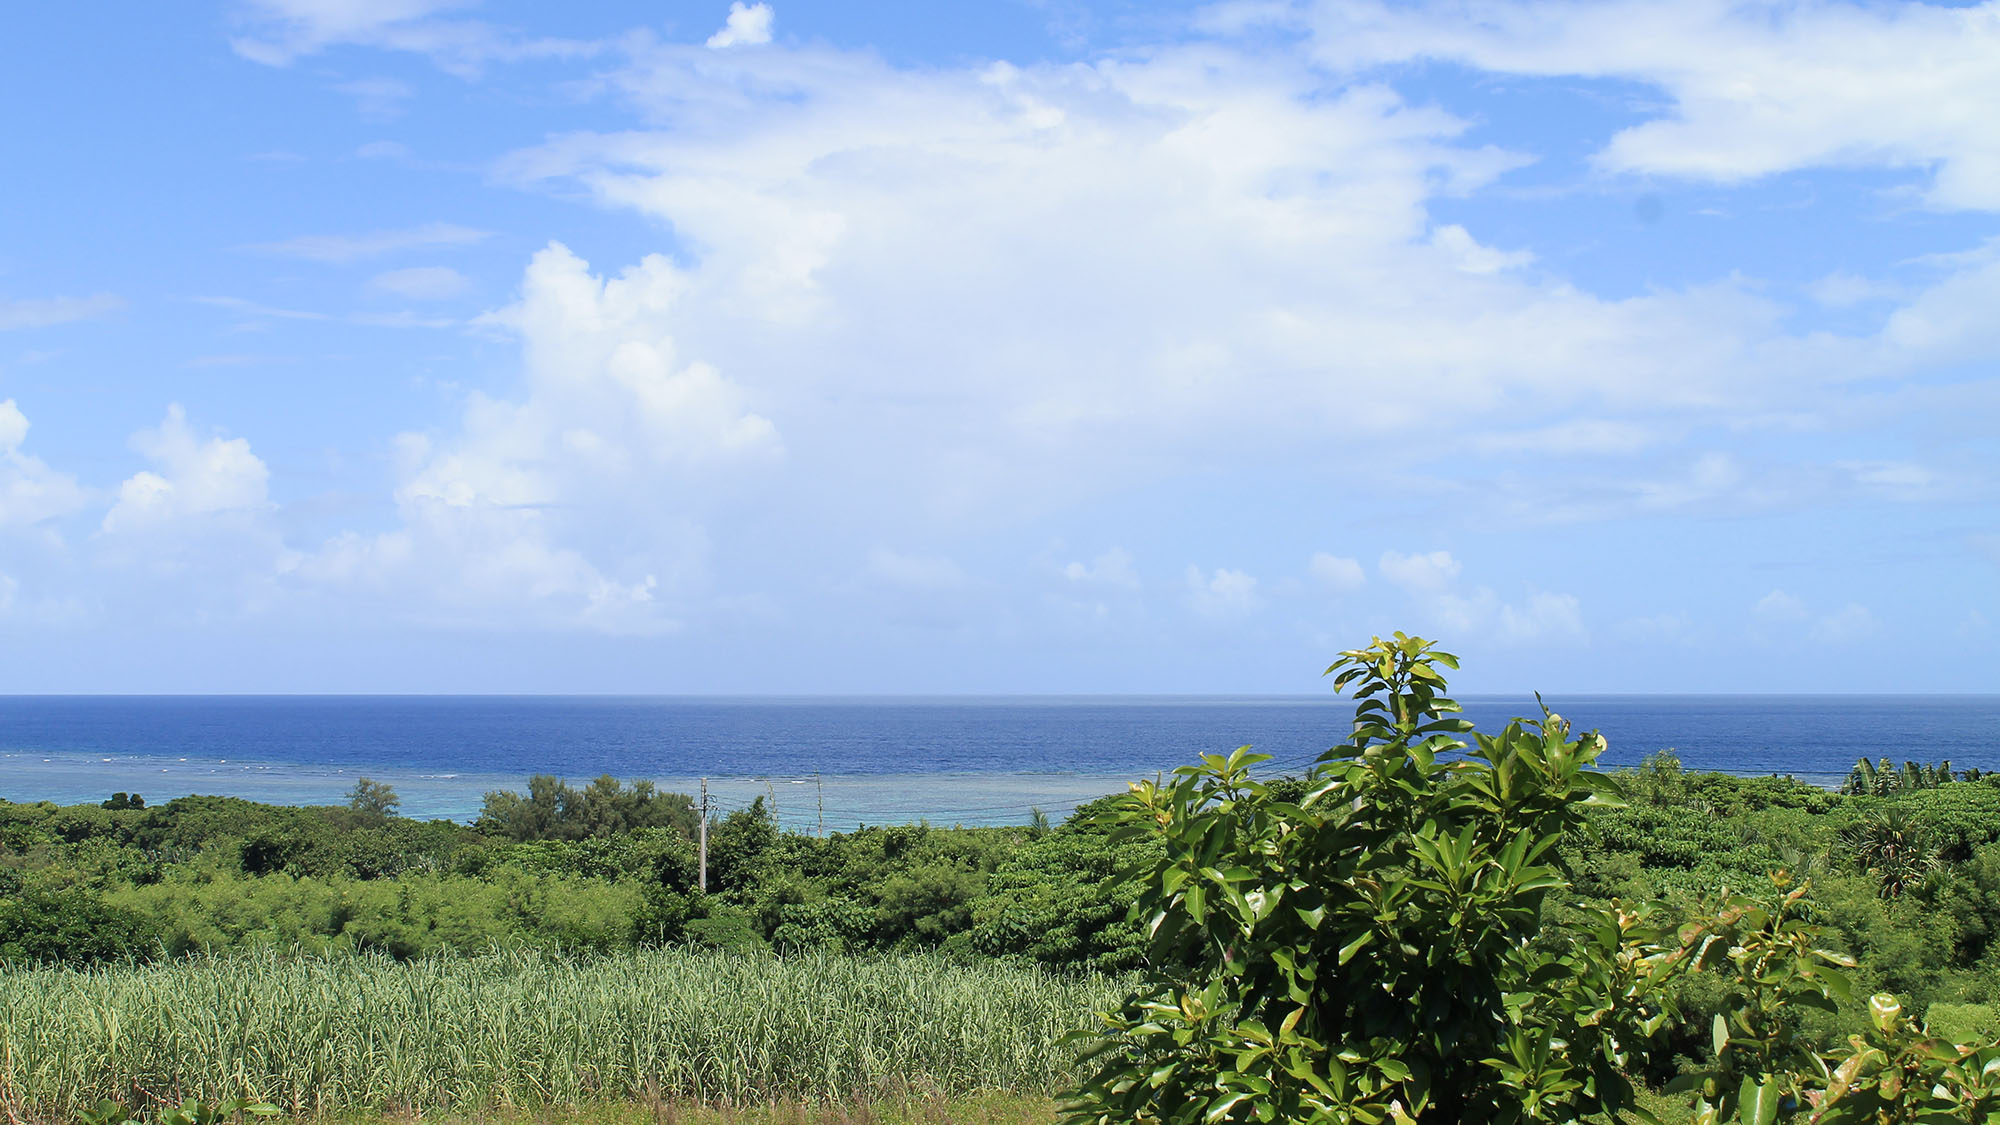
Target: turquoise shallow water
970,761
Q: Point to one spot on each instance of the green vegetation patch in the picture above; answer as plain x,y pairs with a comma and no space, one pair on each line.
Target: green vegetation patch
524,1028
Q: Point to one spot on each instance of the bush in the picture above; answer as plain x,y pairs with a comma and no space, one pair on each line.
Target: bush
71,926
1377,951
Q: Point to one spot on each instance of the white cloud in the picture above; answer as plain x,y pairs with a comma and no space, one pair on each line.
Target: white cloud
1895,478
378,97
1469,256
1779,606
1659,628
1843,290
30,491
279,32
283,30
1851,622
195,478
1112,568
573,503
1780,614
1756,88
1339,574
1183,249
1545,617
1482,614
749,25
1222,594
1578,437
918,572
988,291
1419,573
422,283
44,312
342,248
259,311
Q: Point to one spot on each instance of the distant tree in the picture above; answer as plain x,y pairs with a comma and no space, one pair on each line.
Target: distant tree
373,798
125,801
555,810
736,845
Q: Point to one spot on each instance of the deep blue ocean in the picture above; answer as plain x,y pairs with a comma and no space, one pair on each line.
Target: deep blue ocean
842,762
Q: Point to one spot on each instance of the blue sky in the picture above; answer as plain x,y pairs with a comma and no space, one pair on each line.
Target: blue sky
406,345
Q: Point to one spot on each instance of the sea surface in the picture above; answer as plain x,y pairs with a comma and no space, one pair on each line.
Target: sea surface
838,763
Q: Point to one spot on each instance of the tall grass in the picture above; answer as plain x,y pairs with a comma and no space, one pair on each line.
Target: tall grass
317,1034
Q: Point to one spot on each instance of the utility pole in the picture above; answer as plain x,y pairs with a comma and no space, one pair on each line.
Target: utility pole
704,835
821,786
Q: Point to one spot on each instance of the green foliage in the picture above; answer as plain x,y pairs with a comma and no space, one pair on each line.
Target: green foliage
191,1111
1898,1072
1059,900
1762,1061
554,810
1963,1023
1892,848
1368,954
373,799
335,1034
70,926
1880,779
1402,943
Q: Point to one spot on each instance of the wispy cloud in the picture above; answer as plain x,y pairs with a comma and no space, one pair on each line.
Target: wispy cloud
421,283
259,311
44,312
342,248
378,97
280,32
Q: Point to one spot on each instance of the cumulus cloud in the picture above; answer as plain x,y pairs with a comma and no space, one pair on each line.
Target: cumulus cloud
1779,606
1658,628
1544,616
1112,568
991,291
1478,612
1199,245
193,478
1851,622
1337,573
1223,593
1781,615
30,491
1469,256
574,501
1482,614
749,25
1426,573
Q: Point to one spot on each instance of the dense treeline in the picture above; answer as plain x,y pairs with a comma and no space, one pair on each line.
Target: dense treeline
595,868
1908,881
